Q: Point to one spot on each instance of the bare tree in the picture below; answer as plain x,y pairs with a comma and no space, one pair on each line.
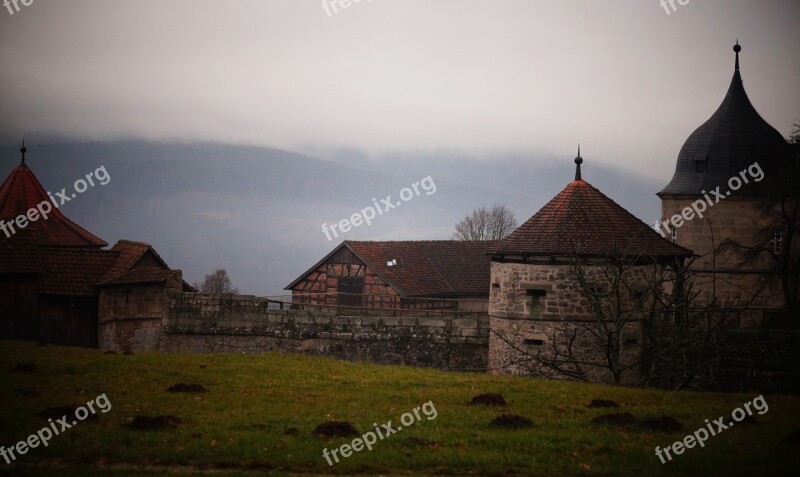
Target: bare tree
486,224
217,283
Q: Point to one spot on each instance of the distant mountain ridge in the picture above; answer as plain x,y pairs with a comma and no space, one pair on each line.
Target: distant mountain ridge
258,211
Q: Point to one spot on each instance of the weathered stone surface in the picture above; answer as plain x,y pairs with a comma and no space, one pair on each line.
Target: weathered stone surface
202,323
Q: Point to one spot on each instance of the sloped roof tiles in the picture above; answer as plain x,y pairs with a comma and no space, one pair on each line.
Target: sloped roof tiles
582,221
21,192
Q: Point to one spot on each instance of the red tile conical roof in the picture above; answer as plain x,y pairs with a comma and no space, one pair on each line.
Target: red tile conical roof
582,221
21,192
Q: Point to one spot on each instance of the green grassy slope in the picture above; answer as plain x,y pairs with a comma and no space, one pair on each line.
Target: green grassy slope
245,424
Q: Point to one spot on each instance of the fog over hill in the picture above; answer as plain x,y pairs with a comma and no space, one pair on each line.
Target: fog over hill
258,212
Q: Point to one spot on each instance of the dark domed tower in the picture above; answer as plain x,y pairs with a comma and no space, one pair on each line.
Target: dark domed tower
722,178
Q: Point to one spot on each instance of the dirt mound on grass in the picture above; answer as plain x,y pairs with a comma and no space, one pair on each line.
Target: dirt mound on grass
27,393
414,442
187,388
602,403
488,399
58,412
749,419
793,438
26,368
511,421
153,423
336,429
662,423
616,419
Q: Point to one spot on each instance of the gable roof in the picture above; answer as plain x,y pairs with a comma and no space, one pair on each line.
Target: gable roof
142,275
424,268
582,221
21,192
78,271
128,253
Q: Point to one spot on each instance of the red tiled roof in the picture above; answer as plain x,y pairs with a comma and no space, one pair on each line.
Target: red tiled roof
429,268
69,260
128,253
73,271
20,192
582,220
143,275
77,271
18,254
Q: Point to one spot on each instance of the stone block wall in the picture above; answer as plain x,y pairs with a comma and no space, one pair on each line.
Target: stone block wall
534,307
131,317
514,344
732,218
202,323
510,297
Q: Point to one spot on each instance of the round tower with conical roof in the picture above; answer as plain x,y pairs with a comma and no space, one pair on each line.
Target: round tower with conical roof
540,308
722,179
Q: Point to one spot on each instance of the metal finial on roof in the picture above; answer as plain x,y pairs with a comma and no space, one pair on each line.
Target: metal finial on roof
578,162
23,150
737,49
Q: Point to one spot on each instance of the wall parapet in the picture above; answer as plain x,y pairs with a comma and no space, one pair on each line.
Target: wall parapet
206,323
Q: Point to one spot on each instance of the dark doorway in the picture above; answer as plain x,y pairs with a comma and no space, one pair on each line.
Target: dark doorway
351,291
9,315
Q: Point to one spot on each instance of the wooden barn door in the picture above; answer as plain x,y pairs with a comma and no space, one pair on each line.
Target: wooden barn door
354,289
9,315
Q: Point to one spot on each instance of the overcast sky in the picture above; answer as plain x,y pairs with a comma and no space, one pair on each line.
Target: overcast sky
626,79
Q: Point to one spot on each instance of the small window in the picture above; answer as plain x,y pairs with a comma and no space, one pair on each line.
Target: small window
777,241
700,166
700,162
495,285
532,297
533,342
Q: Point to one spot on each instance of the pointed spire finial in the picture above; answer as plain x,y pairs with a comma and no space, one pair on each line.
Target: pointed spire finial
737,49
578,162
23,150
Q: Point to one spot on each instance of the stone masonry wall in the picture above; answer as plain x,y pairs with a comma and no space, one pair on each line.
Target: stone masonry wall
533,307
733,218
130,317
201,323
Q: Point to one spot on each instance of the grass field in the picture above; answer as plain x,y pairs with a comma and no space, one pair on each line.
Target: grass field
259,413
